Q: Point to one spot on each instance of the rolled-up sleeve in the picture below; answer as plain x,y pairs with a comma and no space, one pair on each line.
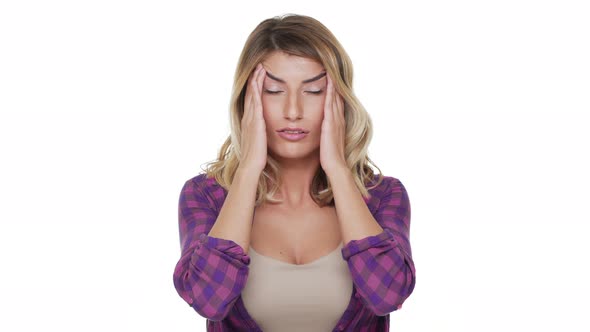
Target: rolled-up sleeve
381,265
211,272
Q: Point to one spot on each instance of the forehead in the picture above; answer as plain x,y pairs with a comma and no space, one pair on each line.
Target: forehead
291,68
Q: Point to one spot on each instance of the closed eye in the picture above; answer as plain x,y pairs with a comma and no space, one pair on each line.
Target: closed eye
272,92
277,92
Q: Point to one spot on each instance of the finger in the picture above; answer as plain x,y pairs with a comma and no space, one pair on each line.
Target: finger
260,78
251,93
328,101
335,110
252,76
340,102
339,105
248,100
260,83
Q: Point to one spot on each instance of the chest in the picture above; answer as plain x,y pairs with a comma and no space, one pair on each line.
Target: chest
295,237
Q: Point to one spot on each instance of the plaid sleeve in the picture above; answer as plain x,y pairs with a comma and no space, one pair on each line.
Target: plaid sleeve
211,272
381,265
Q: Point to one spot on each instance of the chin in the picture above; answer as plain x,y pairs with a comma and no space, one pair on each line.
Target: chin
293,152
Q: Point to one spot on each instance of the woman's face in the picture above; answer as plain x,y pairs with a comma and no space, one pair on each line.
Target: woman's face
293,95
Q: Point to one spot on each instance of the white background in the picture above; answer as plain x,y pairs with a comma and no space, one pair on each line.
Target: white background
479,108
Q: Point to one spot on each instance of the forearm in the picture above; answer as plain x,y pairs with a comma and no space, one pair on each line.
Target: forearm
379,258
354,216
234,221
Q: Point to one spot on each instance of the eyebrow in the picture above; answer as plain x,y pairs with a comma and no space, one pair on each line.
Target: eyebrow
315,78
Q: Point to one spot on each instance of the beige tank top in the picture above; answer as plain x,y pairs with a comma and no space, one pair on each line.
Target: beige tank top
287,297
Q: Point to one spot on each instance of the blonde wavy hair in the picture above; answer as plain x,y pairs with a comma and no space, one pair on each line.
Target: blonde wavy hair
302,36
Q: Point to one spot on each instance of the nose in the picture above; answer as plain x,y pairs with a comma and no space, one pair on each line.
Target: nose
293,109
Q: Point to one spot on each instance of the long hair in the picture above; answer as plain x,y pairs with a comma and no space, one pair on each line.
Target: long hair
302,36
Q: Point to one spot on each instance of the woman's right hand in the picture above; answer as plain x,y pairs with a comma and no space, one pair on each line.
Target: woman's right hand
254,148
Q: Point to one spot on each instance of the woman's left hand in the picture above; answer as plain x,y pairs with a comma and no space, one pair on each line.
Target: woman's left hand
333,134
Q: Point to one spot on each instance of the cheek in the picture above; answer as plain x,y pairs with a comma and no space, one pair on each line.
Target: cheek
314,106
269,103
314,101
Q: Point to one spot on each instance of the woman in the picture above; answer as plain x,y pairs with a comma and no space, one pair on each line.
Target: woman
290,229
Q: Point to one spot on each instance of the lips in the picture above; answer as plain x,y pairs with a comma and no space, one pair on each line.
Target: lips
293,130
292,137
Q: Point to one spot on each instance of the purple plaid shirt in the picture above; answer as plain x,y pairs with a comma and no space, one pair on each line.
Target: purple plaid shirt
212,272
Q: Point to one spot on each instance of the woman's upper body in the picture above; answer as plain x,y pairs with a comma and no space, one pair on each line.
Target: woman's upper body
212,272
297,129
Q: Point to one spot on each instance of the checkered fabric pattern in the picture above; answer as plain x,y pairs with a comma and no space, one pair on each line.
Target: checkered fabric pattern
212,272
